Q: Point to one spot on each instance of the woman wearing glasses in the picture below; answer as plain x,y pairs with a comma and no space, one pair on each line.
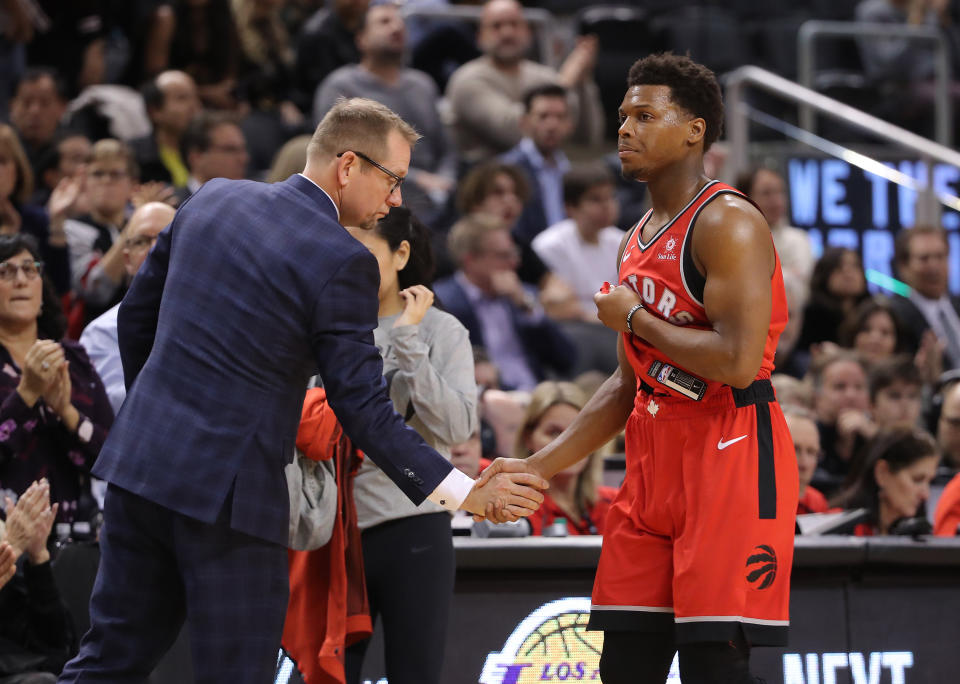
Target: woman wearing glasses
428,364
54,412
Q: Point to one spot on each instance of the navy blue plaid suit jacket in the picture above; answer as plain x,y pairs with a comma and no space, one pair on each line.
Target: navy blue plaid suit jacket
252,289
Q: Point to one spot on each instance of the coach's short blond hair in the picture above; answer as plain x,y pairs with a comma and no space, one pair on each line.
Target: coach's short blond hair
359,125
466,236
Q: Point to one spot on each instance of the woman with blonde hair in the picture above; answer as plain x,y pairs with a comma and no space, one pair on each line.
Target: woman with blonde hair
576,494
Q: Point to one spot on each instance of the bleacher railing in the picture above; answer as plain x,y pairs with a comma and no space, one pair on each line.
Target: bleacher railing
740,113
813,31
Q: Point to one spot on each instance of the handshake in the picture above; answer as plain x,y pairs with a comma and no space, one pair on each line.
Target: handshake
508,490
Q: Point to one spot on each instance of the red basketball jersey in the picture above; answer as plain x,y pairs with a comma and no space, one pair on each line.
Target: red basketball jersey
662,272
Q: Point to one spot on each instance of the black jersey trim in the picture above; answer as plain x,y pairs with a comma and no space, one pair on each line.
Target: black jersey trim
644,247
694,281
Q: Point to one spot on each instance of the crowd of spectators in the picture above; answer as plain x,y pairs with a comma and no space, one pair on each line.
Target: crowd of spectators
115,113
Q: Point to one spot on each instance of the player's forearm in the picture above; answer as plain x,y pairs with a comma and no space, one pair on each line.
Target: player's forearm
600,421
706,353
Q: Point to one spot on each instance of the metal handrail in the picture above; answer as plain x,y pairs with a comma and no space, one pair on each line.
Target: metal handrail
813,30
540,18
738,129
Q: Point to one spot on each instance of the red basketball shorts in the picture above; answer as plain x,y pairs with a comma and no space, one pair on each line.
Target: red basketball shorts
700,537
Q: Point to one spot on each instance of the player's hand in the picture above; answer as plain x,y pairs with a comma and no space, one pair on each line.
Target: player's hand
506,491
612,307
417,300
512,467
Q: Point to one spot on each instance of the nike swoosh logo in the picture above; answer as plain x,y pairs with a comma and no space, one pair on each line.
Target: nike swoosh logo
721,445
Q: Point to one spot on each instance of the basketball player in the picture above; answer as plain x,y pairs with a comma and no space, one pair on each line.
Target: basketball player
699,542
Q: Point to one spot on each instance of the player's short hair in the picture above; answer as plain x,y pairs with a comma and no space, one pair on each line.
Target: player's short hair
466,236
692,86
360,125
583,177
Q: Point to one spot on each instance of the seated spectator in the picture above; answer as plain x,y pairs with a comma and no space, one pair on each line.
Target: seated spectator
266,74
582,250
96,252
99,338
214,147
486,94
67,159
575,495
948,425
842,405
873,330
806,442
326,42
946,519
54,412
768,190
895,393
837,286
501,190
921,255
17,216
502,412
36,110
172,102
381,76
499,311
205,45
35,633
546,127
894,483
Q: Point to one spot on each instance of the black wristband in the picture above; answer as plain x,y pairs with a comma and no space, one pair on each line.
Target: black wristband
635,309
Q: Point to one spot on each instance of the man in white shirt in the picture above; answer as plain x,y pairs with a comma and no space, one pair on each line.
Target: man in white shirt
921,257
582,250
99,338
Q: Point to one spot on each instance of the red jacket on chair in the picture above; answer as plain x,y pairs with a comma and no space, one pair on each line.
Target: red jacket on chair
327,610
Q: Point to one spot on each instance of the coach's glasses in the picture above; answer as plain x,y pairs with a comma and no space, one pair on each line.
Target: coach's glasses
397,180
31,270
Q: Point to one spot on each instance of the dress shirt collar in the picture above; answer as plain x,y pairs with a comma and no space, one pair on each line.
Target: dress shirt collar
539,162
308,186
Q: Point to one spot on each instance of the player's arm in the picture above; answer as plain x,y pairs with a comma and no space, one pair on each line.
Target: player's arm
598,422
733,248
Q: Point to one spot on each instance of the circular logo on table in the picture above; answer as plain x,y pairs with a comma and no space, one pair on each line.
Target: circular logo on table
551,644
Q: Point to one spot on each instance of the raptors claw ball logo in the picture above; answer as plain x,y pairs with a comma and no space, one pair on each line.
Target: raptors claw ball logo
762,566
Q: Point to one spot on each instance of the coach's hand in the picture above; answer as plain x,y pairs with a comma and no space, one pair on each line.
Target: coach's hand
612,307
505,493
520,471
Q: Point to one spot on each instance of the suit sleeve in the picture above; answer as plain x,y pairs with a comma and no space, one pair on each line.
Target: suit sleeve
140,308
352,372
